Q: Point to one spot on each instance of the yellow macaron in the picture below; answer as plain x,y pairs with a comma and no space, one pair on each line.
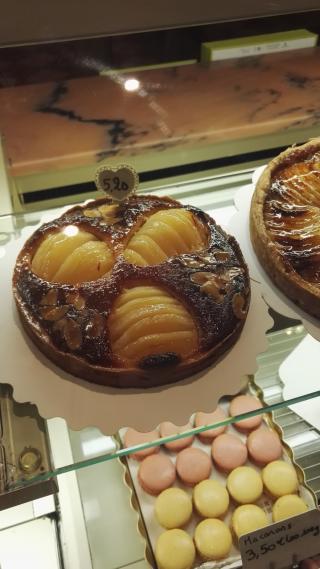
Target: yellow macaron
213,539
288,506
248,518
211,499
245,485
173,508
175,550
280,478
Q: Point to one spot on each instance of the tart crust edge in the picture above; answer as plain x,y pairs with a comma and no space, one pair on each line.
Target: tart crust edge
122,377
303,293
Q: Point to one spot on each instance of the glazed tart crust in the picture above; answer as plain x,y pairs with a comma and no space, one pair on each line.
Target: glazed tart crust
69,322
280,266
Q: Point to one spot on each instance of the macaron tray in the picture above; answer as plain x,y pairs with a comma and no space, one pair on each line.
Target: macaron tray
224,453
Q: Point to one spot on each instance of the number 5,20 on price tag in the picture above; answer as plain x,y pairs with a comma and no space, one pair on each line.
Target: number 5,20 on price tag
118,182
282,544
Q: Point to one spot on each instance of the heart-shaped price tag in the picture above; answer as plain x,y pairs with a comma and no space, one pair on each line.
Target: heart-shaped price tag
118,182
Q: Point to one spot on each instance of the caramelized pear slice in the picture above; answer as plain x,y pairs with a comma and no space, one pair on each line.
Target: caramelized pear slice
72,258
146,321
291,214
88,262
165,234
299,184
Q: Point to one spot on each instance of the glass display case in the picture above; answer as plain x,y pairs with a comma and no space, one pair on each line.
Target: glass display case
196,132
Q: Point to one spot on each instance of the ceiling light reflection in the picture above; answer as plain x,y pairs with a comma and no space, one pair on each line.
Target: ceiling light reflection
71,230
131,84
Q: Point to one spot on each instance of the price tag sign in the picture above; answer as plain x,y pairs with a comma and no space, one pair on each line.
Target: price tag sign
118,182
282,545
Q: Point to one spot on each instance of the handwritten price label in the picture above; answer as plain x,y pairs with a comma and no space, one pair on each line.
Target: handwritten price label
118,182
282,543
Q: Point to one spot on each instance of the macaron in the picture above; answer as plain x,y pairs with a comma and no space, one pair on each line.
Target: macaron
193,465
211,499
244,404
203,419
213,539
156,473
264,446
245,485
288,506
173,508
167,429
175,550
280,478
228,452
248,518
133,438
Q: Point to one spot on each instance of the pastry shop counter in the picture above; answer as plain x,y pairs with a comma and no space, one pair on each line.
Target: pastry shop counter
115,483
220,203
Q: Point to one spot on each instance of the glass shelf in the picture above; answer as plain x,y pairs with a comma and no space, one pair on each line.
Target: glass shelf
103,449
123,452
200,144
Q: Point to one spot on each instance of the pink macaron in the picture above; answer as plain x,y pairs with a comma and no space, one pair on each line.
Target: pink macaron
133,438
264,446
244,404
193,465
156,473
202,419
228,452
167,429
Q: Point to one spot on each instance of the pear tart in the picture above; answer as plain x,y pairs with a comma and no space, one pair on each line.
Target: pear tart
285,224
137,294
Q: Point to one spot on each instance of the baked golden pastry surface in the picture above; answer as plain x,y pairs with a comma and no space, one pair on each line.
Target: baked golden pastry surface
137,294
285,223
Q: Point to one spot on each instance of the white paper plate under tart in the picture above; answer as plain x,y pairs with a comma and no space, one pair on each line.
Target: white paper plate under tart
58,394
239,226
